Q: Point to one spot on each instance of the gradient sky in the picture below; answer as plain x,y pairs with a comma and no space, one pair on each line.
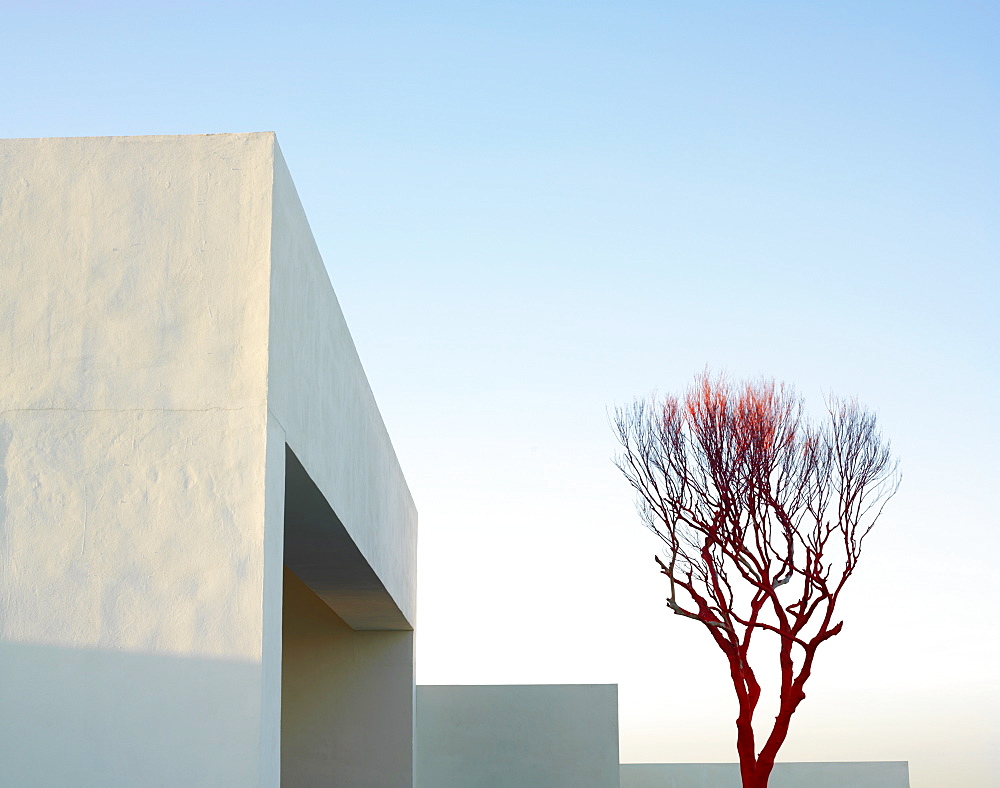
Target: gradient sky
534,211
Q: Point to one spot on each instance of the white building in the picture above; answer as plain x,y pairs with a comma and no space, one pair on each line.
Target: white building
183,414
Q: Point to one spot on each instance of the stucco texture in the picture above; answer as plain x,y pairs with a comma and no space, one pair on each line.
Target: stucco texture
167,330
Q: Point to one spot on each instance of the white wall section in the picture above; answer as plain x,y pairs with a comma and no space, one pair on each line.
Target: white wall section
319,393
860,774
167,326
347,699
512,736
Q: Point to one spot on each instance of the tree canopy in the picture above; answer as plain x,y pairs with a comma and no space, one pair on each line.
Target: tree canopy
762,515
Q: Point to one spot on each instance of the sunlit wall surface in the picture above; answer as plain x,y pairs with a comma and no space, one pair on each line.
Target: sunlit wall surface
161,374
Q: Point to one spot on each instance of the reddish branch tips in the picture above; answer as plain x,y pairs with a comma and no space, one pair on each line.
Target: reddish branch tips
762,515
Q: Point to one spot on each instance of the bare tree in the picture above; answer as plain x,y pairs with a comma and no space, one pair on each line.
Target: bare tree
762,515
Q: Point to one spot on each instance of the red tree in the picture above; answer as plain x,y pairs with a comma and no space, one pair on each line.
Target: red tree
762,515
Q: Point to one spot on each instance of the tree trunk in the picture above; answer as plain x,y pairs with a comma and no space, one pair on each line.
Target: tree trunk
745,748
765,762
761,775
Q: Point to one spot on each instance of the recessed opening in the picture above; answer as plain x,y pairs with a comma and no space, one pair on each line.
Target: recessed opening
346,688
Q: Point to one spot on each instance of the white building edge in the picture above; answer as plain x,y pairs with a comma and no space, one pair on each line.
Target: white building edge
207,545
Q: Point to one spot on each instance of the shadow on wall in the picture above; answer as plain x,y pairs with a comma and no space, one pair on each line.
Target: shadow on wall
346,698
70,717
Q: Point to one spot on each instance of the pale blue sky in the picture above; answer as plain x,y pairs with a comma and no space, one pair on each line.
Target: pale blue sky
534,211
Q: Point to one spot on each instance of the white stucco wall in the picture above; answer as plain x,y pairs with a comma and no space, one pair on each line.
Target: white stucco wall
132,437
166,325
543,736
859,774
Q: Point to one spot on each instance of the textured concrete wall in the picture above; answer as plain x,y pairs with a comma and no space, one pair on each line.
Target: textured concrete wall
545,736
861,774
132,437
166,326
